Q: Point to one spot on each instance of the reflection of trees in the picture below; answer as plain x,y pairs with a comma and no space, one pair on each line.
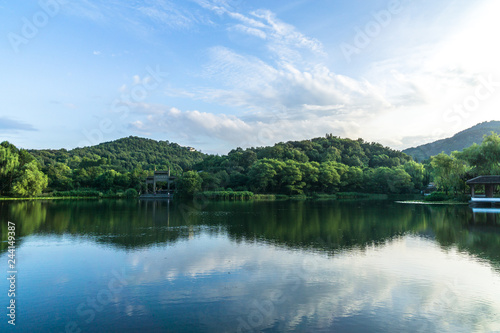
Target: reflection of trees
122,223
479,236
16,213
321,226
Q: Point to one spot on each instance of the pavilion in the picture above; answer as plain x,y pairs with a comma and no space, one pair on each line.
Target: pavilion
489,183
159,176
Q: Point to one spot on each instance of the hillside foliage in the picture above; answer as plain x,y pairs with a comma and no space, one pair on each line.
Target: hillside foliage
450,172
321,165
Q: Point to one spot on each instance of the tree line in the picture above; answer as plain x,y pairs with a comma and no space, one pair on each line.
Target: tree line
20,173
321,165
450,172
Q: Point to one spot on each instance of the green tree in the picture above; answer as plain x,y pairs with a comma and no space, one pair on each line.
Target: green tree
9,163
352,179
310,174
210,182
387,180
107,180
131,193
291,178
332,154
484,159
416,172
248,158
263,175
449,172
31,181
329,178
59,177
189,184
399,181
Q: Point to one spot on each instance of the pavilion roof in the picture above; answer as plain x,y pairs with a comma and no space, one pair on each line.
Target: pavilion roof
484,180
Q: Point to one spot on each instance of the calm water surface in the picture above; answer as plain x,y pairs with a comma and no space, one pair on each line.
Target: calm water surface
370,266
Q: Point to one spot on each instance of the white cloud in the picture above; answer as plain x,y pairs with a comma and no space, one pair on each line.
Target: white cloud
282,38
289,87
249,21
143,17
323,107
412,94
285,35
262,86
231,131
250,31
167,14
188,124
428,84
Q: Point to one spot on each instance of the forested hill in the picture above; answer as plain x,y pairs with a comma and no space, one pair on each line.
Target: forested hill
320,165
458,142
330,148
124,155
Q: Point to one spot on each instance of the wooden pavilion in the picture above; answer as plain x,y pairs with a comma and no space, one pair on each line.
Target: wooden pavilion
489,183
159,176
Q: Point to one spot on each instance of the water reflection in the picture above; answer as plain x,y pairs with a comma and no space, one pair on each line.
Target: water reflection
318,226
258,266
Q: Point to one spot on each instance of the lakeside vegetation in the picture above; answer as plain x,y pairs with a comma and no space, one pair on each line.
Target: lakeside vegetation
326,165
450,172
320,168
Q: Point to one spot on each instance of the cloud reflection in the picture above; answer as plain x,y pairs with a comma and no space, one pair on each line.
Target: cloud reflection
406,283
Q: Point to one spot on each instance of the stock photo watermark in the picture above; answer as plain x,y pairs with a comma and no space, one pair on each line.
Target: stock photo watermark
32,25
471,103
266,309
88,310
444,302
11,272
372,29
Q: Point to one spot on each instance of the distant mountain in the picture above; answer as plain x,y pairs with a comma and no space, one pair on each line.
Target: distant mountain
459,141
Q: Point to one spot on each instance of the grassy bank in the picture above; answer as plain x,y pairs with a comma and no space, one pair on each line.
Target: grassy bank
77,194
206,195
225,195
440,198
247,195
45,198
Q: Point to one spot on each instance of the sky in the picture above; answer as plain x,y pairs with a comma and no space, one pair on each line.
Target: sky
220,74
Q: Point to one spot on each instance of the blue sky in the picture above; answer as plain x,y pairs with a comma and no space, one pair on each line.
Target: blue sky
217,74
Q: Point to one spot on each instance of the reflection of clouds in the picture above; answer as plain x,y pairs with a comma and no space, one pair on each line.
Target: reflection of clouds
408,283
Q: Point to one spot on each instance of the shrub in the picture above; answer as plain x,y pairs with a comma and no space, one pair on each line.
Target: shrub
131,193
78,193
437,196
351,195
226,195
462,198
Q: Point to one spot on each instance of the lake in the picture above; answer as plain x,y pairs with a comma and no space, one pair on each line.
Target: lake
282,266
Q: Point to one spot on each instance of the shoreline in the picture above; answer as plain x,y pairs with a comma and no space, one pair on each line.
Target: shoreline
421,202
253,197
